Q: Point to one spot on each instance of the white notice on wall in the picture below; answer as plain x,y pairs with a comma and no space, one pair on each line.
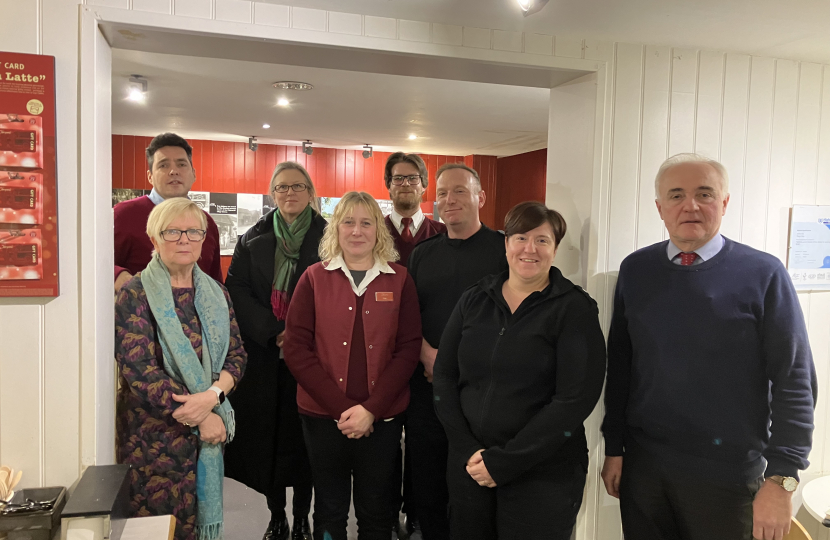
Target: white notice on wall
808,260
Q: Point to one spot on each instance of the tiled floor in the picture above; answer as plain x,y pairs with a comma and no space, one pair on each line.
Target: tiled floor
246,514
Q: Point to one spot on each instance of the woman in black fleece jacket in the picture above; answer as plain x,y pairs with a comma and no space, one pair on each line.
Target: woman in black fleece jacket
520,367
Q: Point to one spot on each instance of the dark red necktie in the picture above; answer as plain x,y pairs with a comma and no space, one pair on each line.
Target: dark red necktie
406,234
686,259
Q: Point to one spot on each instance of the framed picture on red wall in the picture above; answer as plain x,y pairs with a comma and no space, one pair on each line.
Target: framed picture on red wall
28,188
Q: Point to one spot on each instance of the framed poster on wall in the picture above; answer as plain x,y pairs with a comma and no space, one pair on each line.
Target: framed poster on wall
28,190
808,256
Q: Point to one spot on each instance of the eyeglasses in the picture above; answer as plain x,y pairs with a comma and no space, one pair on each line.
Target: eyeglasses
412,179
283,188
173,235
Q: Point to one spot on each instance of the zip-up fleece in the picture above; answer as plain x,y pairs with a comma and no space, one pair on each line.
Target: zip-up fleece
520,385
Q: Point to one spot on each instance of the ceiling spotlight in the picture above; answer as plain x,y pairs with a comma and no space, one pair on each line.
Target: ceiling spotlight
266,126
531,6
413,137
252,144
282,102
137,89
368,152
307,149
293,85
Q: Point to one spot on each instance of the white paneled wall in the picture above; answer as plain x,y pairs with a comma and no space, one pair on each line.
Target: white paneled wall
767,120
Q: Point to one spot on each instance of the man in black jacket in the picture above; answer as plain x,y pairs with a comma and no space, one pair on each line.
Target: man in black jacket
443,267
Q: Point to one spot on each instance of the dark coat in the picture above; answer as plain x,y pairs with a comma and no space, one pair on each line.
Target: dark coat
267,453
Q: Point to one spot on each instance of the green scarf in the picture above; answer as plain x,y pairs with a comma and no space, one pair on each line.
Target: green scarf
184,367
289,240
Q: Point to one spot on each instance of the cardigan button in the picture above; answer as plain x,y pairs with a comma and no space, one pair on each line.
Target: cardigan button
344,343
367,312
373,383
341,380
370,346
350,308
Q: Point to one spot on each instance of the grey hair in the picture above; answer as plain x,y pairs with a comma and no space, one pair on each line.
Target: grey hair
294,166
677,159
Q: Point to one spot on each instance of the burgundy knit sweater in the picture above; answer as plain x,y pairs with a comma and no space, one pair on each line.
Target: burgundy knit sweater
428,229
133,248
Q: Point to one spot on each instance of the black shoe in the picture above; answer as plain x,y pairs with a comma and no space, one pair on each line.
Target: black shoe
277,530
301,529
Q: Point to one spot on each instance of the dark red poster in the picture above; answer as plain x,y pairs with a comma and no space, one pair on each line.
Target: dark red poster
28,190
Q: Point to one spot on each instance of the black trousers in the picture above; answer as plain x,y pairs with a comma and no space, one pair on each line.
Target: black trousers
335,461
427,445
539,505
660,502
300,502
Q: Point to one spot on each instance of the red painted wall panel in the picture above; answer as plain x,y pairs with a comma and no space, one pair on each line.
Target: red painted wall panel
520,178
226,167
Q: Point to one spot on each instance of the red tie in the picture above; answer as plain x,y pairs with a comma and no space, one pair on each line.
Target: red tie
686,259
406,234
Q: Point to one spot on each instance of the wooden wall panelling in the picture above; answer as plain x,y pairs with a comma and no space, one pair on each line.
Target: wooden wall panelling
625,149
781,161
683,88
758,140
733,144
708,112
655,141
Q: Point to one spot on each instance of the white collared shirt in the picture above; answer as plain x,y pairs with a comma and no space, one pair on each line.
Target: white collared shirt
376,269
704,252
417,220
155,197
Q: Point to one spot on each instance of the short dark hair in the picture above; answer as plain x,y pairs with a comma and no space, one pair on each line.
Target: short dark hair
528,215
413,159
450,166
167,139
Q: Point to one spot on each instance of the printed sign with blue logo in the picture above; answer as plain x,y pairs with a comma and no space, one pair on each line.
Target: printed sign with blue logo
808,260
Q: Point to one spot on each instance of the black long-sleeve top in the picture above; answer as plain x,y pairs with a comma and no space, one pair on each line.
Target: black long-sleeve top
442,268
519,385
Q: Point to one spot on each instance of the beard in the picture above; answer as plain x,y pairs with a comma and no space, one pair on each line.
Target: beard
407,201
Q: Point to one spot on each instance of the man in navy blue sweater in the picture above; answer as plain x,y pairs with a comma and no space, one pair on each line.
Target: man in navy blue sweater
711,384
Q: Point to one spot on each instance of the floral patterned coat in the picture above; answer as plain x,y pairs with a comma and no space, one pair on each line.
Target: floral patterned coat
163,453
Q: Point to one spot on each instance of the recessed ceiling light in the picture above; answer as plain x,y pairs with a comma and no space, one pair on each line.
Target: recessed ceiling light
413,137
293,85
266,126
282,102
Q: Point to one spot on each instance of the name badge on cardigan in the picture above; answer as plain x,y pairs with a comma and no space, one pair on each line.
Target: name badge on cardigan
384,297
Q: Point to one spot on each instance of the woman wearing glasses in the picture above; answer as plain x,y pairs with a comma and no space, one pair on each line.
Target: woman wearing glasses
179,353
354,337
269,454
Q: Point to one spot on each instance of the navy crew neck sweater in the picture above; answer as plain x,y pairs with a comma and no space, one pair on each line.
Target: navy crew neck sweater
709,365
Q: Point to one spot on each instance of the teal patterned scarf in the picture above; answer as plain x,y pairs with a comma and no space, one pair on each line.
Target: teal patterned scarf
184,366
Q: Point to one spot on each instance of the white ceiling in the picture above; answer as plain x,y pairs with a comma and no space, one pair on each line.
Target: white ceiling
797,29
220,99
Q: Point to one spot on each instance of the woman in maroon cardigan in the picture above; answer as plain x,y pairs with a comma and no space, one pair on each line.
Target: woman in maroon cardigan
352,341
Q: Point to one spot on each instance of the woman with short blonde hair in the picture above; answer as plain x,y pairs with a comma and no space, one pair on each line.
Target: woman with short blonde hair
179,352
384,249
353,338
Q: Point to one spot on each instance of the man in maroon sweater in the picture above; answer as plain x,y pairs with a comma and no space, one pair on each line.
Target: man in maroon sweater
406,179
170,171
